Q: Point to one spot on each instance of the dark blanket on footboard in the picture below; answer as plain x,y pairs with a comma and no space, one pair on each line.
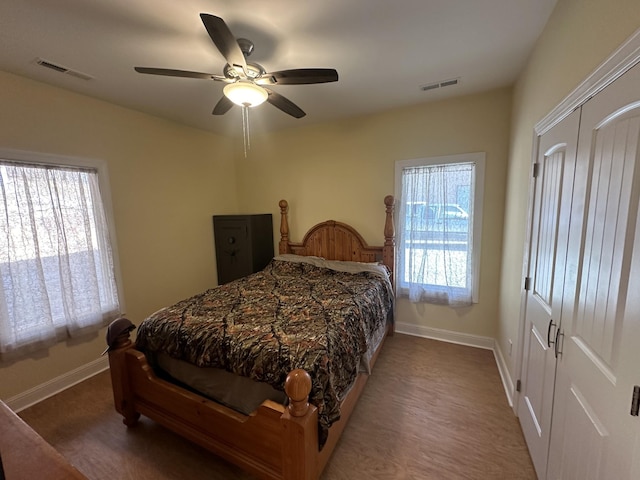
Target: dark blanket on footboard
290,315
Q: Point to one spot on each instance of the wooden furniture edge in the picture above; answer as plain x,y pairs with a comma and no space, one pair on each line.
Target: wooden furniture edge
26,455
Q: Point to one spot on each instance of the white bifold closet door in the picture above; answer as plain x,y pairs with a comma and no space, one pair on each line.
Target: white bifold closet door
593,434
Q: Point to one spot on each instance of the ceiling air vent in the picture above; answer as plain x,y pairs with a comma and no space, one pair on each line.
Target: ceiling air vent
59,68
442,84
50,65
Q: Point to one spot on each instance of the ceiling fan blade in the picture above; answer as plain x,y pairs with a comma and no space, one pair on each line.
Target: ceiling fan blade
299,76
223,106
224,41
168,72
284,104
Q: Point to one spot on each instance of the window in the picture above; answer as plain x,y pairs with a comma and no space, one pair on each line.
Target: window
440,217
56,259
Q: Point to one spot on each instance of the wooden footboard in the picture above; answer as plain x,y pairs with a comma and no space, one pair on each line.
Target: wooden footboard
274,442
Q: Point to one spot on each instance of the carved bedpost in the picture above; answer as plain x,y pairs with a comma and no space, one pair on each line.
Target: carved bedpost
122,394
284,228
389,247
300,425
388,251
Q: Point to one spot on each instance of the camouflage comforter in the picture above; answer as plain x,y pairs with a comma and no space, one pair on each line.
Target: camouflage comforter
290,315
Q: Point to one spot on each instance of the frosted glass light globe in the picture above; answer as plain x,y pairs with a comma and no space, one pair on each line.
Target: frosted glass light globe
245,93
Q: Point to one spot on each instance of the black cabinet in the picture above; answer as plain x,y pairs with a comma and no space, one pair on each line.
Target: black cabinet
244,244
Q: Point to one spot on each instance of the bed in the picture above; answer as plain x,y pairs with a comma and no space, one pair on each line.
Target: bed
290,438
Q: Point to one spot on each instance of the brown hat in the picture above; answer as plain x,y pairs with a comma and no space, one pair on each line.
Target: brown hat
116,328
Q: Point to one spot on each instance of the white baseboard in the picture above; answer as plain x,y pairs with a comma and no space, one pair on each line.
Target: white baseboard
56,385
507,382
467,339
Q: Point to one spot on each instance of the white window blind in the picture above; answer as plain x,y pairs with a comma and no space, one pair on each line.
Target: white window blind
56,262
439,228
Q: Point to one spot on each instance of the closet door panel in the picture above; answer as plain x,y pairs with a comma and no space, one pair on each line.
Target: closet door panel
611,194
549,233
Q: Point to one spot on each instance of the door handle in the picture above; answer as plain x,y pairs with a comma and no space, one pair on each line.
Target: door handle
556,347
549,342
635,401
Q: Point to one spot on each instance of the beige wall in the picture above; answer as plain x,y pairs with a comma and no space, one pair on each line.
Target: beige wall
579,36
166,182
343,170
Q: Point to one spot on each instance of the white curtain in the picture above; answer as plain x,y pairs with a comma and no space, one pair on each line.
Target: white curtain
435,244
56,263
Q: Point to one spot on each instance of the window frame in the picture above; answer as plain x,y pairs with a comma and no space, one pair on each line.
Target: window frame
479,160
62,161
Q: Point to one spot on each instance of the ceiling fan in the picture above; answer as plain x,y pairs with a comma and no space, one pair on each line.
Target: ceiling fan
247,82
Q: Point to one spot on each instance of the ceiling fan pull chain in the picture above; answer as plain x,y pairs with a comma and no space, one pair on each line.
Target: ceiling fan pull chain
245,129
246,109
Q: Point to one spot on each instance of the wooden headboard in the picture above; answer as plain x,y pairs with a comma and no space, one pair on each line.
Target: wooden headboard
338,241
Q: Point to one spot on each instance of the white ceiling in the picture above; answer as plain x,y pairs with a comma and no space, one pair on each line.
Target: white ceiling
383,51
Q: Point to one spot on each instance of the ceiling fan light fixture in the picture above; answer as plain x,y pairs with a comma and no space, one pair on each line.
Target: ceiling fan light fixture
245,93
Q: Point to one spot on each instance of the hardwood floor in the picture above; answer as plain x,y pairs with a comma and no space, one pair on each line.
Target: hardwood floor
431,410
